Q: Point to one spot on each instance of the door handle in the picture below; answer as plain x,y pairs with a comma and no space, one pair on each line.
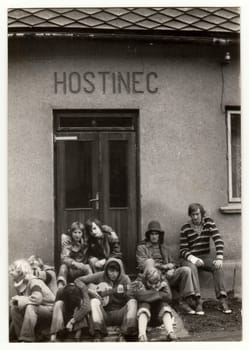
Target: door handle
96,200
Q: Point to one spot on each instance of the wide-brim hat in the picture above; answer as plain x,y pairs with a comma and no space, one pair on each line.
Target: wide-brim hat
154,226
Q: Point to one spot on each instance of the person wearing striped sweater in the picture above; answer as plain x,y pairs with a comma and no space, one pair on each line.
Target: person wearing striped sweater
195,251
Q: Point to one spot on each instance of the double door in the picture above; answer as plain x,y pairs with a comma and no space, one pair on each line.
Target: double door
96,176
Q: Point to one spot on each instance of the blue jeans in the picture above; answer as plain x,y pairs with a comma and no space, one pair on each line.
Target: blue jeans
125,317
218,275
25,321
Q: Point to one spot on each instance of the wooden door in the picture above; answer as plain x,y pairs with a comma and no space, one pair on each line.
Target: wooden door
96,177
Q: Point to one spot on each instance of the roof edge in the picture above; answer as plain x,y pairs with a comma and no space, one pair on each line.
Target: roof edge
165,36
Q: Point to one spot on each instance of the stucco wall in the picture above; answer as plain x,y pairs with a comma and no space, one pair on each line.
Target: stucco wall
182,132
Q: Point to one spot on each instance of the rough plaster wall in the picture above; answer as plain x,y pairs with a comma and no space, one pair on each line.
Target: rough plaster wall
182,133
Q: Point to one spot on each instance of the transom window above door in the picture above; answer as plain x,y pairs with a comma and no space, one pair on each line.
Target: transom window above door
83,120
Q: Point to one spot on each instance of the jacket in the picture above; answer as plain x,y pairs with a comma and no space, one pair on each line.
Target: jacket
144,294
71,251
117,300
144,252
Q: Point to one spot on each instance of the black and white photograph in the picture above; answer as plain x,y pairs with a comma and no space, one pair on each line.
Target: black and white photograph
124,176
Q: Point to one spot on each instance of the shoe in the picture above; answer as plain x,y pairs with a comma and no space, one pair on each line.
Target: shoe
53,338
121,338
142,338
186,308
191,301
97,337
172,337
224,307
199,309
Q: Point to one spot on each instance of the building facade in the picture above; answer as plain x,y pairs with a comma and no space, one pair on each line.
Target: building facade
127,114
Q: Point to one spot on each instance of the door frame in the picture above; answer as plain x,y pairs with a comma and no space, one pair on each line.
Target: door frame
61,132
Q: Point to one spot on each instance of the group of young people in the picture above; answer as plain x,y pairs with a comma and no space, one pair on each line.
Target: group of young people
92,291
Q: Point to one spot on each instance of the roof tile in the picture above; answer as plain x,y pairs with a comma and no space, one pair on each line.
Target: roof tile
171,12
104,16
187,19
119,23
204,25
90,22
160,18
32,20
198,13
46,14
61,21
148,24
132,17
75,15
226,14
17,14
144,11
214,19
117,11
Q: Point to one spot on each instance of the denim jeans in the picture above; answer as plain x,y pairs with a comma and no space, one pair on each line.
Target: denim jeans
218,275
125,317
24,321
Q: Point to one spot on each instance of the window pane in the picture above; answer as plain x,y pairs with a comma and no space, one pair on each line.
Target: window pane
118,173
78,181
236,155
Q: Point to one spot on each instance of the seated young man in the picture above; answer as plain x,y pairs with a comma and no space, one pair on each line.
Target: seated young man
195,250
120,310
152,252
44,272
154,297
102,244
73,255
34,301
70,312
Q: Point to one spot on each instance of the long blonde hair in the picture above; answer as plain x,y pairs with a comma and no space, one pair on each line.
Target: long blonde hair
22,267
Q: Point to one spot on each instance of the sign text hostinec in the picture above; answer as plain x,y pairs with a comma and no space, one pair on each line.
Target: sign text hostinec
105,82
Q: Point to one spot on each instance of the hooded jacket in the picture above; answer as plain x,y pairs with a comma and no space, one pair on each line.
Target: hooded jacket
117,300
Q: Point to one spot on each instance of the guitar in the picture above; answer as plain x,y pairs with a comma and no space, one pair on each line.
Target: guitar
105,290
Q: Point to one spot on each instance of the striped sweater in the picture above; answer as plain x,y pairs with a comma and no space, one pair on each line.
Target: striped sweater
197,244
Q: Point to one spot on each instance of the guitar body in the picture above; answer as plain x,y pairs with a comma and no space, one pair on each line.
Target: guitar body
105,290
102,289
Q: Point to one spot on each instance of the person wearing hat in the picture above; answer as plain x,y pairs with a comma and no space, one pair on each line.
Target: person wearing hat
152,252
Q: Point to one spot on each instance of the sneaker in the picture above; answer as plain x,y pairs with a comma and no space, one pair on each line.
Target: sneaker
186,308
172,337
121,338
97,337
53,338
224,307
199,309
191,301
142,338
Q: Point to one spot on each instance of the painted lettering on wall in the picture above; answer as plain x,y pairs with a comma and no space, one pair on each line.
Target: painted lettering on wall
105,82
